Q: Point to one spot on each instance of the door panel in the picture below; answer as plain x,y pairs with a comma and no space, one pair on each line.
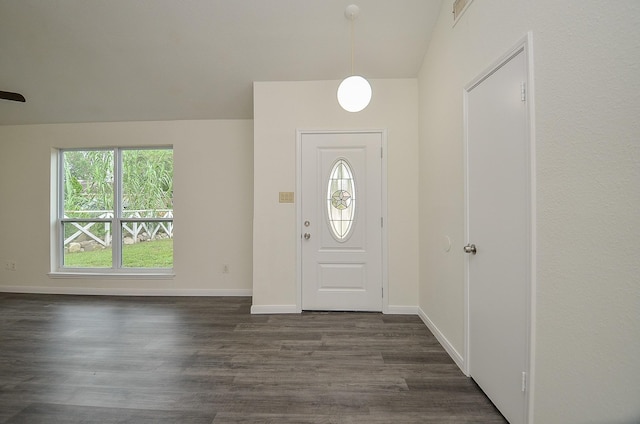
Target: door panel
498,225
341,180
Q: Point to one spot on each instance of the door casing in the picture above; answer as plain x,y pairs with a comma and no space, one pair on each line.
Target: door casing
299,219
525,45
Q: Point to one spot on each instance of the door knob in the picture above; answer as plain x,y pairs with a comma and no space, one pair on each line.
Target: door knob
307,236
470,248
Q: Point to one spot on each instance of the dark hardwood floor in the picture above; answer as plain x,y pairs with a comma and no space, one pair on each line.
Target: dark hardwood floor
90,359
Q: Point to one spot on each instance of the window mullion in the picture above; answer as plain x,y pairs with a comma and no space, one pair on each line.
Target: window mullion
116,243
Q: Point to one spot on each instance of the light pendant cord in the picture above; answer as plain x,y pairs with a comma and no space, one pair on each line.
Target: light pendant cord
352,45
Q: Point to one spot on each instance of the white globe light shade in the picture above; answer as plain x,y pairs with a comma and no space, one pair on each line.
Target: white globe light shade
354,93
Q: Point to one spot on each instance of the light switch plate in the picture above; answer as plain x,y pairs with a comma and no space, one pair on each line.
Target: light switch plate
286,197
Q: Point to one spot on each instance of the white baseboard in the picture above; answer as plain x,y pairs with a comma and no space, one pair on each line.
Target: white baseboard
455,355
401,310
125,292
274,309
292,309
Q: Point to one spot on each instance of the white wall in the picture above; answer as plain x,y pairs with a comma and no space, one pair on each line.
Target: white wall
280,108
587,76
213,203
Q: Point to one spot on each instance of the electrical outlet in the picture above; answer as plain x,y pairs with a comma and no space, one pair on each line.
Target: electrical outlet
10,265
225,269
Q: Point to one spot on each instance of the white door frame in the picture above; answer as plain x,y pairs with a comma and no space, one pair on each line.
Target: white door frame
525,45
298,195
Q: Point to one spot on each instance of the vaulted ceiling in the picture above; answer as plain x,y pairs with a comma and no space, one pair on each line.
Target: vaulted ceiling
136,60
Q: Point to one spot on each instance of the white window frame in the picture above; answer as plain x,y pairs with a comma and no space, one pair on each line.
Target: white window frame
116,269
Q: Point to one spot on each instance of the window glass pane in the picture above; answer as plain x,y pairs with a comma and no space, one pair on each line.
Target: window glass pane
88,183
147,183
87,244
147,244
341,200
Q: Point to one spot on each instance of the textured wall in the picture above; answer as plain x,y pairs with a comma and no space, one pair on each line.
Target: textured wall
283,107
587,67
587,76
213,184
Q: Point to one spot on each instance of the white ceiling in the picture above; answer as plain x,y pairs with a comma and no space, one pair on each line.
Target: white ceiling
137,60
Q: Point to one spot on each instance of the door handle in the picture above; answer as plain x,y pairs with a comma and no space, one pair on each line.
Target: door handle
470,248
307,236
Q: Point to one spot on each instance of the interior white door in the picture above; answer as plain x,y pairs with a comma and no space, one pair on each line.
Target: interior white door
498,202
341,211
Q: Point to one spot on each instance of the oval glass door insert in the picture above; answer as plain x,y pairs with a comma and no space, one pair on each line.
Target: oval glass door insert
341,200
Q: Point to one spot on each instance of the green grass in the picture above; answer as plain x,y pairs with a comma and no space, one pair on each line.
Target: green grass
149,254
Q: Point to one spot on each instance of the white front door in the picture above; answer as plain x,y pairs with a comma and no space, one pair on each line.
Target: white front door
341,219
499,249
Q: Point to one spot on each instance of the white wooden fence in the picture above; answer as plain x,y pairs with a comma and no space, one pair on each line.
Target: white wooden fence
130,228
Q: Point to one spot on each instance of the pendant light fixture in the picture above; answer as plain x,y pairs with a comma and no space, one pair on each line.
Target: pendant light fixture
354,92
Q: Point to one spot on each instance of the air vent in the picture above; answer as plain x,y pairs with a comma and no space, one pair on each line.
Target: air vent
459,6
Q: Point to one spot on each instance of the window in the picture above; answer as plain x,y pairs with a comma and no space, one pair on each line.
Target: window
115,210
341,200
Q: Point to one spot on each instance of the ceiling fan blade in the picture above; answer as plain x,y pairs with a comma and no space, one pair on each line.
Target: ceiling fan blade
16,97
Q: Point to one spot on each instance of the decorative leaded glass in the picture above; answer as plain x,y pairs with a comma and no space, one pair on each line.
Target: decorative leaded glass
341,200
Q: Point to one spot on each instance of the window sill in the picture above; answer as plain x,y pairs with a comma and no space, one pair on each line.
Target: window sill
114,275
